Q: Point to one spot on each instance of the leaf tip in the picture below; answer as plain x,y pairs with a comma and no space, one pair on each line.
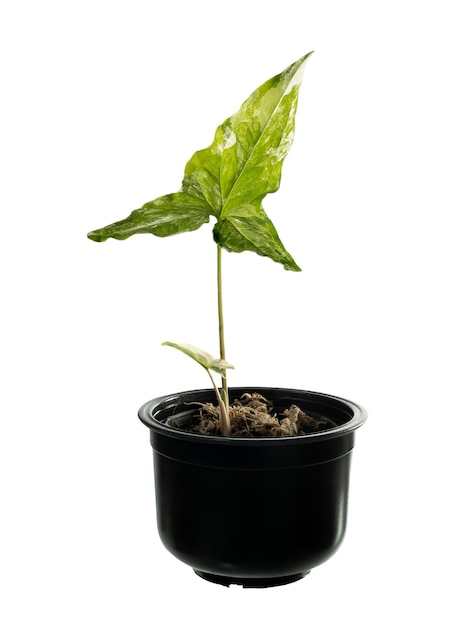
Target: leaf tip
94,236
292,266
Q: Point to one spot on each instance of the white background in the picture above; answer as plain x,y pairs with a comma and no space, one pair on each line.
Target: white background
102,105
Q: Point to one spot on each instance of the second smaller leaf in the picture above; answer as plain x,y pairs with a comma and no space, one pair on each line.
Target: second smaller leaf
205,359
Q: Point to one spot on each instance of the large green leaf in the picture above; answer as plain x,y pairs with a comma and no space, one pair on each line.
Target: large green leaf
231,177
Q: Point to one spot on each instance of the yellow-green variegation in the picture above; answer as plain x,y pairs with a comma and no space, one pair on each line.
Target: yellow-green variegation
229,179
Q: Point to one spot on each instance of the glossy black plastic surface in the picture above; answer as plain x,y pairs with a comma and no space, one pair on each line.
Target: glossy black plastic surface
257,512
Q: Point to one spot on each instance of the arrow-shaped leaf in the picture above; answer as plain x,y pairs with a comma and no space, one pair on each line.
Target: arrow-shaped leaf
231,177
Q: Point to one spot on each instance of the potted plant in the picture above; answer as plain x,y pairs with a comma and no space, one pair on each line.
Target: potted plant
252,491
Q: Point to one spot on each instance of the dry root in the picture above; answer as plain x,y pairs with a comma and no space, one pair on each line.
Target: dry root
252,416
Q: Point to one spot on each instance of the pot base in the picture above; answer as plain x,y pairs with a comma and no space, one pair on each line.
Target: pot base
252,583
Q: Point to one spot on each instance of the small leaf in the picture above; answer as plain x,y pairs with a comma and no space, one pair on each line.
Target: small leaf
205,359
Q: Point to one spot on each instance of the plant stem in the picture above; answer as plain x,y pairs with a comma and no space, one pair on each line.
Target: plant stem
225,425
221,336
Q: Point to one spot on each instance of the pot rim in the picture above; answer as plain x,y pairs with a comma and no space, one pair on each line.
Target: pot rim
148,416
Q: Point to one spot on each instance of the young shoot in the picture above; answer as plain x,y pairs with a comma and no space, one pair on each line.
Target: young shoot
209,362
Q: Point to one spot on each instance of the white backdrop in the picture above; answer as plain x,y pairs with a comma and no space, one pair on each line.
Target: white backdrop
102,104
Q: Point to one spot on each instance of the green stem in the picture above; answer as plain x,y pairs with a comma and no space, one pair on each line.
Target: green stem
221,333
225,425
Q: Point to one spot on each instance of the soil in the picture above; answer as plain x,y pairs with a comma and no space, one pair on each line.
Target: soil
252,415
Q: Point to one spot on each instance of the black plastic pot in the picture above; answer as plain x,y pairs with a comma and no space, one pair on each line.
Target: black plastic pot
257,512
